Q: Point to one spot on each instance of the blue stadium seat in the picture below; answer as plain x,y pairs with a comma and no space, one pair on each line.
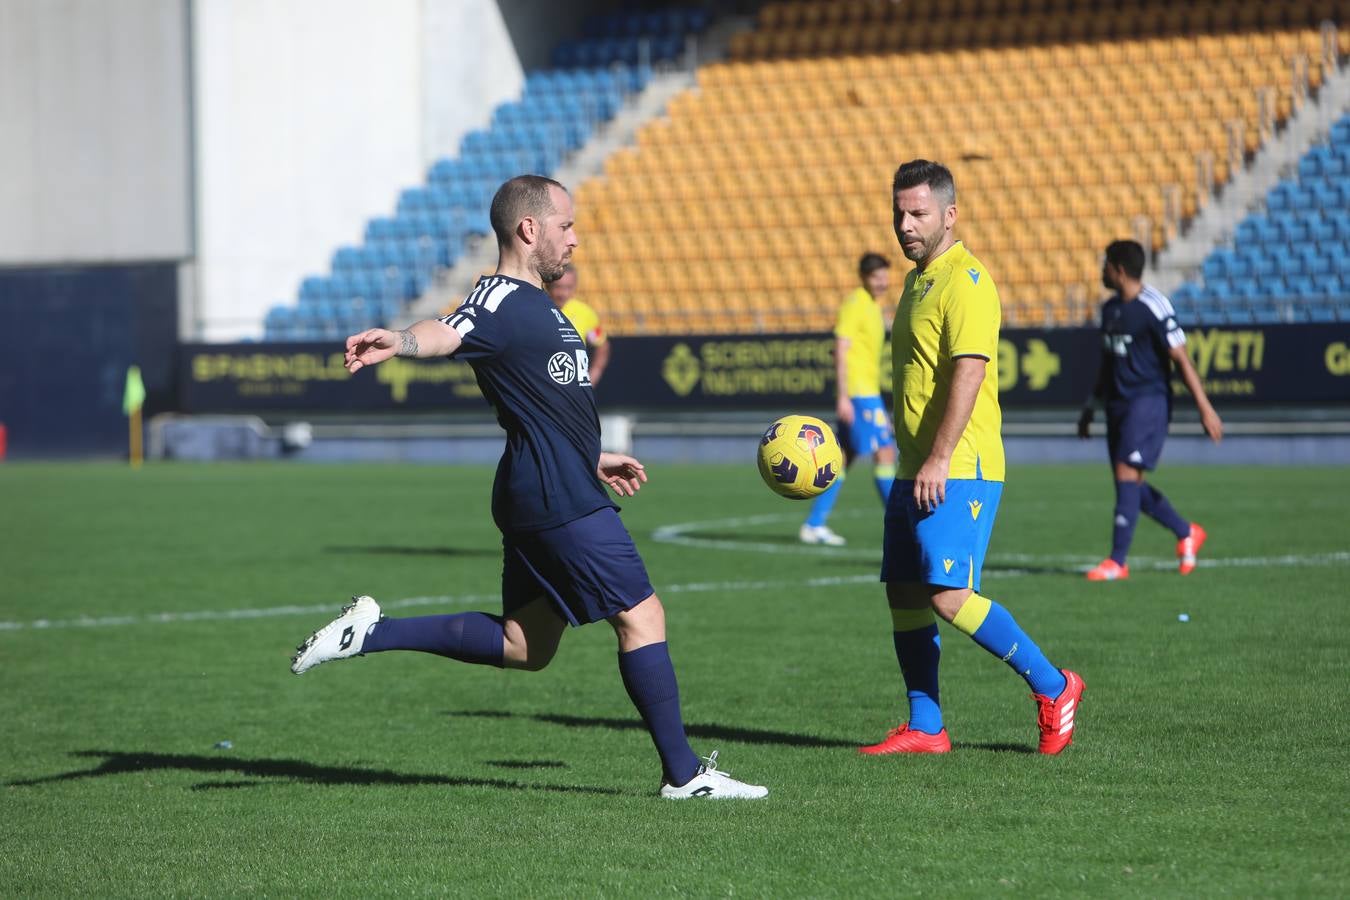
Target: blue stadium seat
1289,265
1293,230
1218,264
1241,266
1185,294
1280,197
1325,310
1218,288
1248,230
1263,265
1321,230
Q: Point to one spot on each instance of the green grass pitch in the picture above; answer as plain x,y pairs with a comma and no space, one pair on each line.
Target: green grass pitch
146,617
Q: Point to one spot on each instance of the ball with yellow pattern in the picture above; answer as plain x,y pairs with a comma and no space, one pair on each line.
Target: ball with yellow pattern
799,457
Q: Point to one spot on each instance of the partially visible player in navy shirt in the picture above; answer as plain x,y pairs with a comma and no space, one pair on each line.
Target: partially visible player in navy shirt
1141,341
566,556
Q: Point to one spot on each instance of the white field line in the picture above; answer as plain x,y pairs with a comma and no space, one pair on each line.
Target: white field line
332,609
685,534
1005,565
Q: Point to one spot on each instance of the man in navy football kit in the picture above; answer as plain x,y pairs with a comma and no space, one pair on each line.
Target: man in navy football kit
567,556
1140,342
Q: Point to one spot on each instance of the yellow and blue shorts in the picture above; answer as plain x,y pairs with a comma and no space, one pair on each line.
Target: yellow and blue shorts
871,429
944,547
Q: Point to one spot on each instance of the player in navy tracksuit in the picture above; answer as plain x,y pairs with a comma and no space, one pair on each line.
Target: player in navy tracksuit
1141,340
567,557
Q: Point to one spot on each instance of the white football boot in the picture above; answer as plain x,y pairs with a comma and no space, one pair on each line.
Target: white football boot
339,639
820,534
712,784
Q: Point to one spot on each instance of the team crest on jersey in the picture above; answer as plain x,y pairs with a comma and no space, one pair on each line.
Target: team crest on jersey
562,368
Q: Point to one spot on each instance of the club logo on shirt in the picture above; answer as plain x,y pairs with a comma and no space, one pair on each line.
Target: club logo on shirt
562,368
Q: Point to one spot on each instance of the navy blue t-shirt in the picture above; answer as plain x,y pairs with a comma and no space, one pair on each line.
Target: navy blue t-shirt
1137,338
532,367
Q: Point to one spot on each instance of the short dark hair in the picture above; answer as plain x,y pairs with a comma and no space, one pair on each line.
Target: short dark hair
1128,255
870,262
524,195
922,171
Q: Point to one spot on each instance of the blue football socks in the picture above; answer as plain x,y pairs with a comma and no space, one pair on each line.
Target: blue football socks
649,678
822,505
993,628
471,637
1127,515
885,477
918,648
1154,504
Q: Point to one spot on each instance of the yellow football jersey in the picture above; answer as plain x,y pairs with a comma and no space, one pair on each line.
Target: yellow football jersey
951,309
860,324
585,321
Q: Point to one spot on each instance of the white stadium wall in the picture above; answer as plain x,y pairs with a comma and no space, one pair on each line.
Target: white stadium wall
310,116
94,132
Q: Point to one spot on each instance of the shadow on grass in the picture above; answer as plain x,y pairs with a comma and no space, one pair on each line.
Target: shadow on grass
484,552
527,763
117,763
707,732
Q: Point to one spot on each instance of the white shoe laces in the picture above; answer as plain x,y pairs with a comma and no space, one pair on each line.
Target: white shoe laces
710,766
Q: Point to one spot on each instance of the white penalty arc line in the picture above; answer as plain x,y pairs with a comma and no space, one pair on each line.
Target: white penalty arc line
685,534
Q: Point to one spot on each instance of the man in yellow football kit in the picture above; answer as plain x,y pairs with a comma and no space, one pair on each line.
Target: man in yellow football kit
584,319
941,511
859,335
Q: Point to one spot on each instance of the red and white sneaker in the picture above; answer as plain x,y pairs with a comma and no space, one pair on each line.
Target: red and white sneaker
1055,718
903,740
1108,570
1188,547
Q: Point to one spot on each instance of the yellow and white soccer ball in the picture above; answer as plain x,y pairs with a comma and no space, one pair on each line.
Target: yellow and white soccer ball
799,457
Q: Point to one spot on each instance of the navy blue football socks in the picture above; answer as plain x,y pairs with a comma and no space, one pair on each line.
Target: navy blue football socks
1154,504
471,637
649,678
1127,515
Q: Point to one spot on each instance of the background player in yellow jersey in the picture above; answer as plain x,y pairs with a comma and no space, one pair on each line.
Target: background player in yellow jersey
941,513
584,319
859,335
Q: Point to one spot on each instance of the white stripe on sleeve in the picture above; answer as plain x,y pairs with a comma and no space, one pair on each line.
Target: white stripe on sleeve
1162,308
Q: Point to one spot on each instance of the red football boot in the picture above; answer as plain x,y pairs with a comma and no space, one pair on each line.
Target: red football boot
902,740
1188,547
1055,717
1108,570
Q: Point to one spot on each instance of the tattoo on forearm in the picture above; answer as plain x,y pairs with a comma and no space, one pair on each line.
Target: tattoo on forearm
407,344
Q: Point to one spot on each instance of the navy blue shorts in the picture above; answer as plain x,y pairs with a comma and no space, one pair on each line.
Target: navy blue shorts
588,567
1136,430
